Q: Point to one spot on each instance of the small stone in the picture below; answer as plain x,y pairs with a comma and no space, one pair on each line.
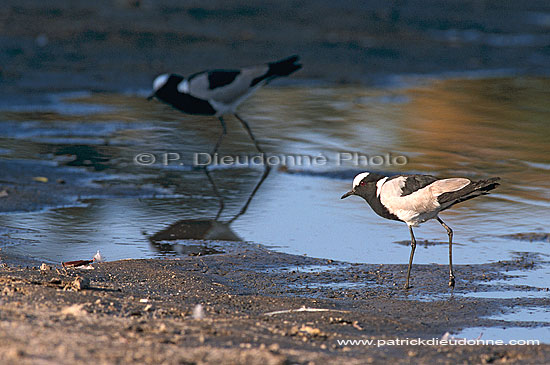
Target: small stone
81,283
274,347
198,312
75,310
15,353
310,330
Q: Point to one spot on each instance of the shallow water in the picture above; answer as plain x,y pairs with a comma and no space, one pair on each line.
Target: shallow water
507,334
476,128
534,314
509,294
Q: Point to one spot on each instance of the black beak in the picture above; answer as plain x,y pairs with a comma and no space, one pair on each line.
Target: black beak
348,194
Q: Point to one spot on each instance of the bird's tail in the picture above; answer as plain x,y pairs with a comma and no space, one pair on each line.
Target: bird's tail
470,191
283,67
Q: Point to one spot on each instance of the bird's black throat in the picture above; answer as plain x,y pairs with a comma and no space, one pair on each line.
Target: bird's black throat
189,104
368,192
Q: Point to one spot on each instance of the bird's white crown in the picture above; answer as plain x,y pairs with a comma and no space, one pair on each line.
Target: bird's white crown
358,179
160,81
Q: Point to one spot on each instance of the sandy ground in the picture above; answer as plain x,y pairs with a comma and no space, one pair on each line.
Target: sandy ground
142,311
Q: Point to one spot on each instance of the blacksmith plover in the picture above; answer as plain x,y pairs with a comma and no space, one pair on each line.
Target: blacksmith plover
219,92
414,199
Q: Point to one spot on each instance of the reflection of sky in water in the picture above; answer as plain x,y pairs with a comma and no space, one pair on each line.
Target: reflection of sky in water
526,314
537,277
508,294
478,128
506,334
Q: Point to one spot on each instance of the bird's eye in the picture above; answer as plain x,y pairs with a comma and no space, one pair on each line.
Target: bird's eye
362,183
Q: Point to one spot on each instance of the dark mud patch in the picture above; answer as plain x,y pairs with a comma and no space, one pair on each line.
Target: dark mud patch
28,185
186,249
426,243
529,236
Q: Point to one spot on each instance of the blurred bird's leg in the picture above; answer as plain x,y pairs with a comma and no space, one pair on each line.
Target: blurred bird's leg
217,193
413,247
450,233
247,127
254,191
224,132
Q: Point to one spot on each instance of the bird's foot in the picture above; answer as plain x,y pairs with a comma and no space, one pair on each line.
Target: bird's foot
452,282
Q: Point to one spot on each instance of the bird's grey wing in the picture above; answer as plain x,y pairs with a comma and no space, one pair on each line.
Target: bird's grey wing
448,185
225,86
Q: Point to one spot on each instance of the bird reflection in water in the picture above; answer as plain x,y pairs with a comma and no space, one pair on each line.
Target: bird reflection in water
202,229
83,155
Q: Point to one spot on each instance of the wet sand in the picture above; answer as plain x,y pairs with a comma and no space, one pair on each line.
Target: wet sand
142,311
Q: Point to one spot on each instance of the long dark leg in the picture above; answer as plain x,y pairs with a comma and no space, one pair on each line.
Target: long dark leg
450,233
247,127
413,247
224,132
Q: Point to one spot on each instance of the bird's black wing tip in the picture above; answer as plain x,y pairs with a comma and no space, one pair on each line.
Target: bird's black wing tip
494,181
291,59
295,61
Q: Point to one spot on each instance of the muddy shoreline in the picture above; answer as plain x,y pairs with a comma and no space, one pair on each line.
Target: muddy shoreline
142,311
